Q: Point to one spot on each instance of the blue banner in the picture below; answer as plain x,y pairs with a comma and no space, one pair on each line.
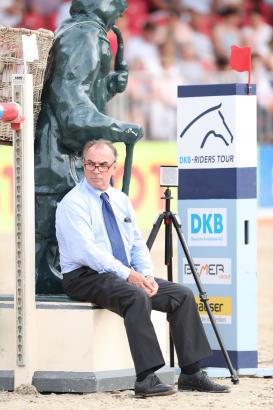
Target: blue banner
266,176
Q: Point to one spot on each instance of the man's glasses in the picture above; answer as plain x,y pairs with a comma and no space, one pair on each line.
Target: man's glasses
103,167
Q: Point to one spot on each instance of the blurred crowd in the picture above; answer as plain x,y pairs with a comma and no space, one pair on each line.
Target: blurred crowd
171,42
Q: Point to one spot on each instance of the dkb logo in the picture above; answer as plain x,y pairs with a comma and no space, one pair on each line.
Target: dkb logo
207,227
207,223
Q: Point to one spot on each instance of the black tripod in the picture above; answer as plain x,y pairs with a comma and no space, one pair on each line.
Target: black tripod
169,220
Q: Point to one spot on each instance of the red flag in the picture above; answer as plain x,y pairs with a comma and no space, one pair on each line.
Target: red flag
240,58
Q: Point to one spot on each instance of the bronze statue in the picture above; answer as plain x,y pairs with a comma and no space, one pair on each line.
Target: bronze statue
79,84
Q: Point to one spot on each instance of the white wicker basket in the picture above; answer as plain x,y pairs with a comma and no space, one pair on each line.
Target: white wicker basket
11,62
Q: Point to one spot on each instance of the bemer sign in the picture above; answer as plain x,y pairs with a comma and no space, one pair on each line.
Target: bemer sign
215,271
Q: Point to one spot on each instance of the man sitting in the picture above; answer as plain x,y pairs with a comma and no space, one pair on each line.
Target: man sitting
105,261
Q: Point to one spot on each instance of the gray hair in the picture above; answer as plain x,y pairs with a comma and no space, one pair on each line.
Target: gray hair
90,144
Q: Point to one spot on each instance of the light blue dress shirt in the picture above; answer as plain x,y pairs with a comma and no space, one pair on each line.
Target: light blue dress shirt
83,239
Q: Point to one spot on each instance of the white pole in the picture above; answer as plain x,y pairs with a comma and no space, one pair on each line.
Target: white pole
23,146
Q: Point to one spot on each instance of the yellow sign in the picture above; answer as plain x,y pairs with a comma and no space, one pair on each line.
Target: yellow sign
221,308
145,191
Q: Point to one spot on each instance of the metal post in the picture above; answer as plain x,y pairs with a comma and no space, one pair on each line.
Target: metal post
23,145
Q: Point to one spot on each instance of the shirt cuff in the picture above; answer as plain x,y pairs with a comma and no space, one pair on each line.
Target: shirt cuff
147,272
124,273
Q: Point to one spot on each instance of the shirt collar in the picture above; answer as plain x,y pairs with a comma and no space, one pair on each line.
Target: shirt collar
95,191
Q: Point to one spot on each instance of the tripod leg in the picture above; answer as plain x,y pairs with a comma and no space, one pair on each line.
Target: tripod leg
169,264
170,279
168,243
204,298
154,231
168,259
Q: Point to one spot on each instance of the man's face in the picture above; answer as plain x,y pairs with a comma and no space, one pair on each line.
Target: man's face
100,155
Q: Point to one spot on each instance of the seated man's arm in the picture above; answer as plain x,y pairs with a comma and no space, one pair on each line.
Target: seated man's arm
141,260
140,255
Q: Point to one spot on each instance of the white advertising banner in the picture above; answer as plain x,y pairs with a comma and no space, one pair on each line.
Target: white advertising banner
213,271
207,226
210,135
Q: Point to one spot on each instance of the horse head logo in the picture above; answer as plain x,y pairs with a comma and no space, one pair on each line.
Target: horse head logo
223,131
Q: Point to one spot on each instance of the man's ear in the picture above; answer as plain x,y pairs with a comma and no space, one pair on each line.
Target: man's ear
114,169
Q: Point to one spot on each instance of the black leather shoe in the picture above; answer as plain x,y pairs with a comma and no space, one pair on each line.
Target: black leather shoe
152,386
200,381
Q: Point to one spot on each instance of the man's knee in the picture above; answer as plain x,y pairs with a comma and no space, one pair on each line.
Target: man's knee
184,292
139,299
140,296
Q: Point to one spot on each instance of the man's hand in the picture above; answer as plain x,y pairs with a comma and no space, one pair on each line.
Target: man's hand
152,281
148,284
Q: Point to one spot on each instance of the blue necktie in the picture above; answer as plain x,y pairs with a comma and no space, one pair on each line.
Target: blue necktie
111,225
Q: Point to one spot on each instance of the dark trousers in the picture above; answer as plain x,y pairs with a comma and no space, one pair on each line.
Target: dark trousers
130,302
